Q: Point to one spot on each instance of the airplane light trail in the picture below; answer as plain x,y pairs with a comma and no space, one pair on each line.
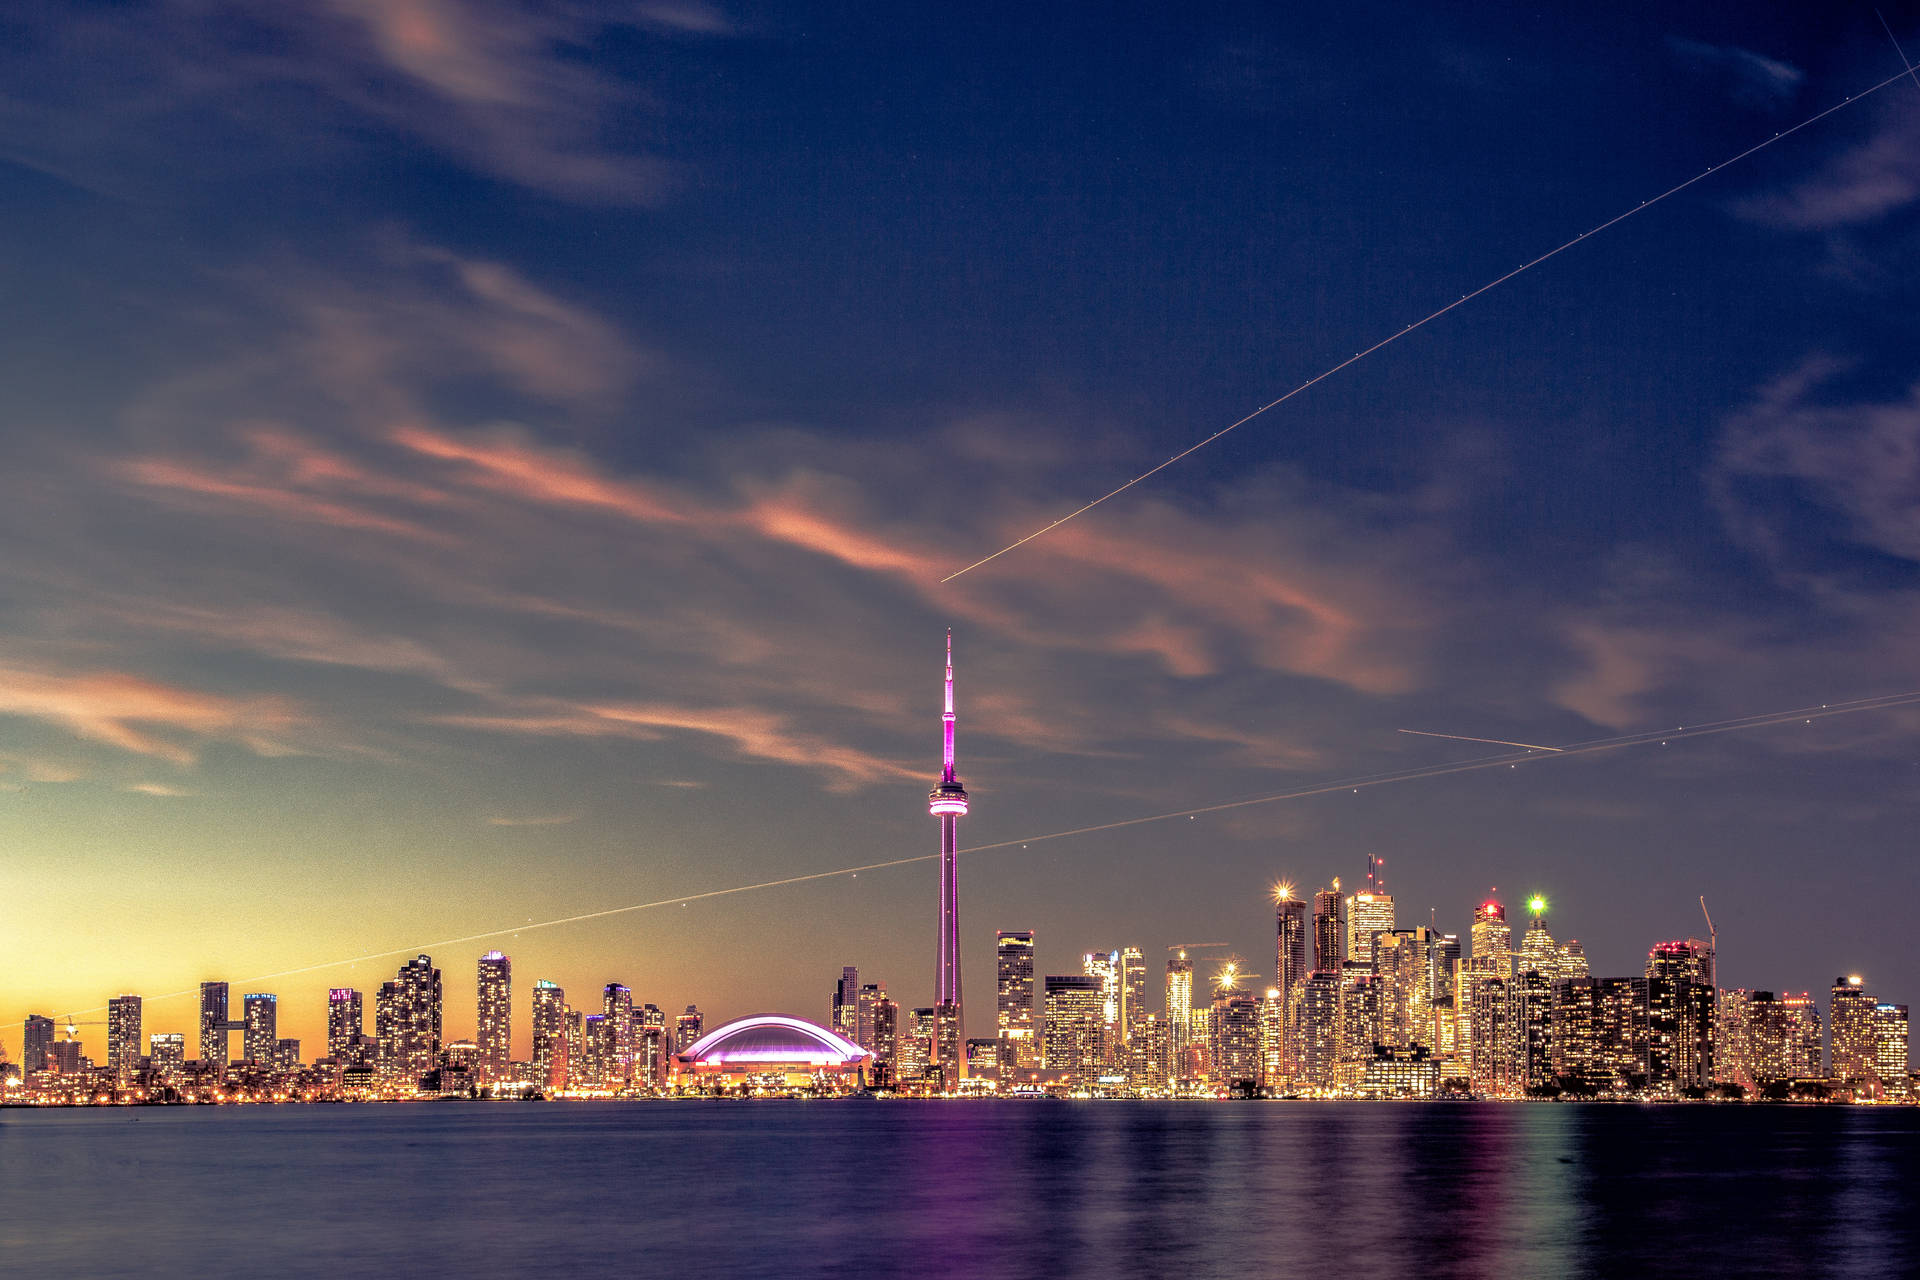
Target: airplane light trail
1463,300
1461,737
1821,711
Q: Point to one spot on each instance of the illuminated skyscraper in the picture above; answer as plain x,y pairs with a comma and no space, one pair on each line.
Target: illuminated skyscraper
1274,1069
1785,1031
1492,937
1105,966
1315,1027
493,1036
167,1055
1290,953
687,1029
843,1006
1680,1016
1533,1029
415,1031
123,1036
37,1049
652,1045
1326,929
886,1035
1890,1058
948,803
1368,915
1179,1008
1074,1019
1403,961
260,1039
549,1029
215,1047
1133,991
1236,1034
1733,1057
1850,1028
616,1006
1014,1000
345,1022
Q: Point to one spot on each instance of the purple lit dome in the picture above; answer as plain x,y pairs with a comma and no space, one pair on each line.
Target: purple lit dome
770,1039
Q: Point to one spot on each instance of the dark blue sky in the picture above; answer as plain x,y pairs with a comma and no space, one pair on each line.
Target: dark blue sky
474,461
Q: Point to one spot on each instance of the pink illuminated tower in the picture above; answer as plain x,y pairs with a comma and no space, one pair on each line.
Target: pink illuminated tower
948,802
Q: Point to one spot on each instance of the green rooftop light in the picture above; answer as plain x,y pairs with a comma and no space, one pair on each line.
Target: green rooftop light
1537,903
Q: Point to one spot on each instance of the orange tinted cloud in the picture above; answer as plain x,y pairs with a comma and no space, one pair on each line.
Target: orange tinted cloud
761,735
533,474
135,714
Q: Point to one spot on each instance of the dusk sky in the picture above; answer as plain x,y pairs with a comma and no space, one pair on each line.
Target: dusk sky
469,463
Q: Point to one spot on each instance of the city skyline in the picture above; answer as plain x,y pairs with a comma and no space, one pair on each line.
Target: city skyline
485,465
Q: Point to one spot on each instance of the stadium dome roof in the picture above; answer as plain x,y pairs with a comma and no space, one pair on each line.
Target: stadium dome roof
772,1039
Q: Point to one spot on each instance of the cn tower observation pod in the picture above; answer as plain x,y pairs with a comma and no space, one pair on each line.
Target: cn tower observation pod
771,1045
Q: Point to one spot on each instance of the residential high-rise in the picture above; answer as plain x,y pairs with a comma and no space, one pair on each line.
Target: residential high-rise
948,803
549,1029
1179,1008
1533,1024
1315,1027
652,1045
1327,955
1733,1054
616,1006
686,1029
1890,1057
345,1022
215,1046
1274,1069
1235,1027
37,1049
1785,1031
1680,1018
1074,1018
1014,1000
167,1055
493,1028
917,1045
416,1013
1851,1031
260,1038
123,1036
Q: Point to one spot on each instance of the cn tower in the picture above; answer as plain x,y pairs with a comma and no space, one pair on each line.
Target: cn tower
948,802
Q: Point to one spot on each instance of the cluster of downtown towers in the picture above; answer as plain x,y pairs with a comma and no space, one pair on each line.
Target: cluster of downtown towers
1358,1006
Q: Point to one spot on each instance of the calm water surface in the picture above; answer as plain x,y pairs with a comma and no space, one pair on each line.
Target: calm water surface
1010,1189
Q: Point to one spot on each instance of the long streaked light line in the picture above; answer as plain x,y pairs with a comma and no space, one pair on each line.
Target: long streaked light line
1463,300
1461,737
1762,720
1896,46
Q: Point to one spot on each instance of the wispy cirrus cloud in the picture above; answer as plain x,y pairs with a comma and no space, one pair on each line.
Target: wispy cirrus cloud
139,715
506,88
1752,79
748,731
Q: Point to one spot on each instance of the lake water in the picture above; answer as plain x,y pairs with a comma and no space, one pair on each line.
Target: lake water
978,1189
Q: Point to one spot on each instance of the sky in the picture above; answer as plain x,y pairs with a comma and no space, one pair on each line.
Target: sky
469,463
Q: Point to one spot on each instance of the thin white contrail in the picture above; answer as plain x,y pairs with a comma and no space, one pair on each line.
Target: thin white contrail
1463,300
1896,46
1462,737
1819,711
